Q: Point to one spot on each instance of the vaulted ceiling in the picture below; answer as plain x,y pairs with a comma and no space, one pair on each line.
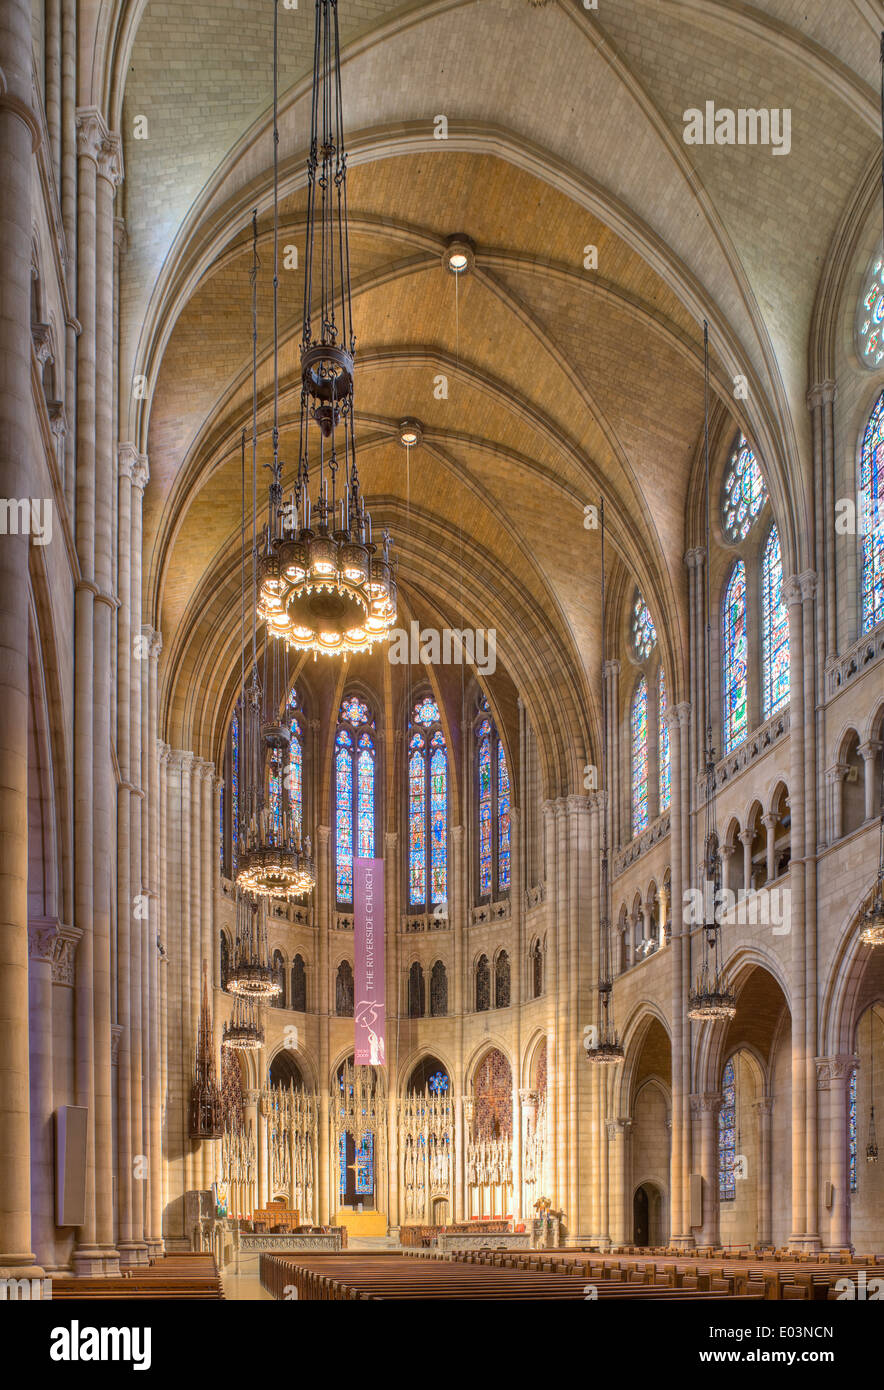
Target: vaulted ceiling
564,131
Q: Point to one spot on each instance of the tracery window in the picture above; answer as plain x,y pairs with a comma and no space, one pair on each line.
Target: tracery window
438,990
299,985
494,802
644,634
735,665
427,807
870,315
536,970
871,496
355,780
278,966
852,1124
727,1118
483,985
638,727
502,981
774,629
665,759
286,773
225,959
416,991
745,492
344,990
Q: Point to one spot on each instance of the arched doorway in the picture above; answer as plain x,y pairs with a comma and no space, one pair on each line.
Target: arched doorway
640,1216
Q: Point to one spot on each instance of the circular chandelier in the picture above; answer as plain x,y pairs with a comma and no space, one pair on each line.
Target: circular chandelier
251,976
242,1032
323,584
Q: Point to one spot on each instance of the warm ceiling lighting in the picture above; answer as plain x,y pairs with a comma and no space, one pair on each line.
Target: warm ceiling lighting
410,434
460,254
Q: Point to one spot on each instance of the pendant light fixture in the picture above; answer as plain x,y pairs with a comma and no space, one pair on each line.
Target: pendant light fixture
324,586
272,861
608,1048
711,999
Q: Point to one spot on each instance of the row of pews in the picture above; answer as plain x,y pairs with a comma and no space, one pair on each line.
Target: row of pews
179,1276
783,1276
411,1275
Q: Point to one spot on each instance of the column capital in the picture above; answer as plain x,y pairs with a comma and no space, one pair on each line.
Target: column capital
683,712
764,1106
706,1102
42,936
141,473
821,393
127,457
110,159
837,772
619,1128
528,1097
791,590
768,820
91,133
154,638
835,1070
746,836
64,956
611,668
695,558
808,581
870,748
58,420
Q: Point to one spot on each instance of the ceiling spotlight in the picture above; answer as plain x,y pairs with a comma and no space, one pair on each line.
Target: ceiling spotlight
410,433
460,254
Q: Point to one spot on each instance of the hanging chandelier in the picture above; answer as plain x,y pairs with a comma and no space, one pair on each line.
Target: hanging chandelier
242,1032
323,584
711,998
608,1048
251,976
272,861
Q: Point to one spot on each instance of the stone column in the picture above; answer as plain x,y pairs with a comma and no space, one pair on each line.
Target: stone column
764,1110
769,822
250,1121
677,719
833,1087
619,1217
705,1109
869,752
835,778
155,1037
144,917
746,837
391,917
43,936
127,456
19,135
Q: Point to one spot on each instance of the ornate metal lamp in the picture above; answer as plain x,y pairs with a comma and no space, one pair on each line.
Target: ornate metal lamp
608,1048
251,975
242,1032
710,999
323,585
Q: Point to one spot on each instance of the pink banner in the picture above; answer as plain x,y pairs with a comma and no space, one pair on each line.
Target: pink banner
368,933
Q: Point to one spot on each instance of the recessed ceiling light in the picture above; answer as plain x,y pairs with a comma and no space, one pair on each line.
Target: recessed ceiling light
460,254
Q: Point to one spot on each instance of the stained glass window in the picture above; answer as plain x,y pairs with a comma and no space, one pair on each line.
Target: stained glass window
494,802
774,629
234,799
639,735
744,491
485,854
870,315
502,981
852,1130
644,634
427,808
735,666
727,1121
276,796
663,745
363,1162
871,518
438,990
438,1083
483,985
221,828
354,793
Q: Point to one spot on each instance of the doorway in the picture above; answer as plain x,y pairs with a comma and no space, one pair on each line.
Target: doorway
640,1217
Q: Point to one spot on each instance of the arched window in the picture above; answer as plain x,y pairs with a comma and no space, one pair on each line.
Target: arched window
416,991
429,1074
735,665
644,634
638,727
871,490
727,1119
438,991
344,990
663,745
536,970
483,985
774,629
278,964
299,985
744,491
493,792
427,807
870,315
354,793
502,981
